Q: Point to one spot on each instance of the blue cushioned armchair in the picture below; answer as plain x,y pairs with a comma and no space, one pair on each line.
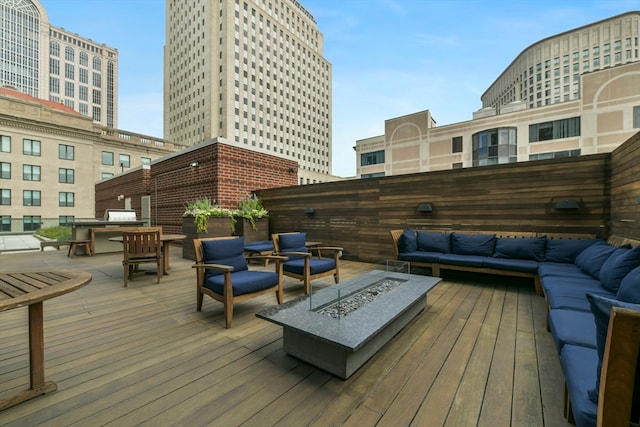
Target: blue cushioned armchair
301,263
223,274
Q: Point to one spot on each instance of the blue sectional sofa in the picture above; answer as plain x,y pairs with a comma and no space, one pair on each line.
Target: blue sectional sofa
581,280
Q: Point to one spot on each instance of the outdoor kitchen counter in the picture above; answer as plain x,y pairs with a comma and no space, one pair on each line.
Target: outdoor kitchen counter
99,232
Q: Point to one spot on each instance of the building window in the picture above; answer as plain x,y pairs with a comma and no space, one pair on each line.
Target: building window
555,155
66,176
5,197
31,198
106,175
456,165
66,152
65,199
30,147
372,175
373,158
495,146
636,117
5,170
5,143
456,144
557,129
124,160
5,222
30,173
31,222
66,220
145,161
107,158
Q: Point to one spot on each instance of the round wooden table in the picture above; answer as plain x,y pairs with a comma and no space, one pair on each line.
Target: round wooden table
31,288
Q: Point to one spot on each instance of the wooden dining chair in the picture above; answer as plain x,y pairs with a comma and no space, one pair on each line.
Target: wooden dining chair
141,247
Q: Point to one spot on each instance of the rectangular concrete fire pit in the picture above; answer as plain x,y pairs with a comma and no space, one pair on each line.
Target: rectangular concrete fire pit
341,345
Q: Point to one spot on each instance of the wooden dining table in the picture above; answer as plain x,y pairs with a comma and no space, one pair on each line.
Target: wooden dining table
166,239
32,288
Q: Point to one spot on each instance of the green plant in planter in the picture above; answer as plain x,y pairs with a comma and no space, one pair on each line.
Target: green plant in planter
251,209
202,209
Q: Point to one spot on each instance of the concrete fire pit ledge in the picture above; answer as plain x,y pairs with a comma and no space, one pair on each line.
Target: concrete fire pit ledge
341,346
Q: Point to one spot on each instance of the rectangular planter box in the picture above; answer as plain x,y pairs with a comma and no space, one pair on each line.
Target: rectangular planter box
216,227
261,233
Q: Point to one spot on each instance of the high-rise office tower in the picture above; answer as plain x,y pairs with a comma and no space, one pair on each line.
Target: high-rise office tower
52,63
252,72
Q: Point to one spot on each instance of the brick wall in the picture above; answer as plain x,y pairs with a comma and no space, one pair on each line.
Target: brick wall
223,173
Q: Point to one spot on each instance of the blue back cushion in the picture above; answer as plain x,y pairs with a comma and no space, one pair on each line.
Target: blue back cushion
566,250
601,309
226,252
629,290
617,266
476,244
520,248
434,242
591,259
407,241
293,242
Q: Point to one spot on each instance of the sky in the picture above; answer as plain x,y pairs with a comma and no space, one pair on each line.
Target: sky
389,58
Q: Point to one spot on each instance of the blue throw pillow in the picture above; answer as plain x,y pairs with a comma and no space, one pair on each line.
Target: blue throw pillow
473,244
292,242
225,252
407,242
591,259
617,266
434,242
566,250
629,290
601,309
520,248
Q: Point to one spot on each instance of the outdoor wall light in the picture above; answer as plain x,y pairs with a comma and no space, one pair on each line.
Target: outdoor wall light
567,204
309,211
194,164
424,207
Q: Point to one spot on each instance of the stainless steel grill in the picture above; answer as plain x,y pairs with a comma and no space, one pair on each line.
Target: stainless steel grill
120,215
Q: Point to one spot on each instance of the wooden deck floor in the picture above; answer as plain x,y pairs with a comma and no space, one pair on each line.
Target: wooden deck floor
478,356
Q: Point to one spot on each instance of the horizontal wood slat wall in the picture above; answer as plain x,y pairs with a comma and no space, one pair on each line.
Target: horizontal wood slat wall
625,189
521,197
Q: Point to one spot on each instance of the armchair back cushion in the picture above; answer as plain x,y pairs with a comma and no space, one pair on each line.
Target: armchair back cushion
226,252
292,242
434,242
617,266
471,244
520,248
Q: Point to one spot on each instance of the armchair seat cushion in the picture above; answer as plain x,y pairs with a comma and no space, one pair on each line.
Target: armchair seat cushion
244,282
316,265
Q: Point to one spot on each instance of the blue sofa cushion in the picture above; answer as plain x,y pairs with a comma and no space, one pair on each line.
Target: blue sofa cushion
572,327
560,269
225,252
591,259
520,248
434,242
463,260
572,295
629,290
243,282
292,242
566,250
579,366
407,241
618,265
473,244
522,265
316,265
420,256
601,309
